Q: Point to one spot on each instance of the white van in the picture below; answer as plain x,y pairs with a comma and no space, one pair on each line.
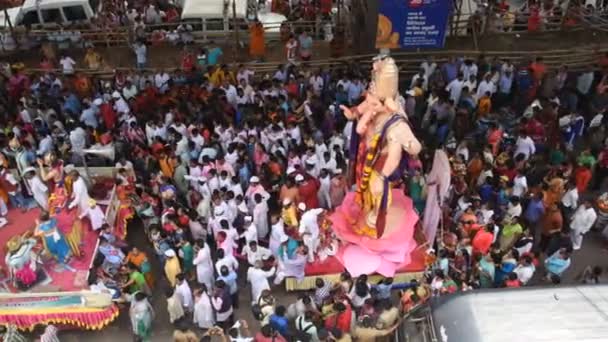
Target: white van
217,15
44,12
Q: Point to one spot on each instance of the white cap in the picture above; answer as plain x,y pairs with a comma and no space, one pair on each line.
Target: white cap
169,253
98,102
218,211
254,179
311,161
286,201
410,92
337,171
201,179
248,218
299,178
116,95
302,206
290,170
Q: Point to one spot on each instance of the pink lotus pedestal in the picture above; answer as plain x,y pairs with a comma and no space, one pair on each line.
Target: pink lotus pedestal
365,255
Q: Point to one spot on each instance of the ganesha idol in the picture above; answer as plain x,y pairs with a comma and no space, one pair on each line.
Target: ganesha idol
376,222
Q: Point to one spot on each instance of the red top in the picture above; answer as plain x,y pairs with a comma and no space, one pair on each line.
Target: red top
582,177
513,283
109,115
308,193
340,320
482,241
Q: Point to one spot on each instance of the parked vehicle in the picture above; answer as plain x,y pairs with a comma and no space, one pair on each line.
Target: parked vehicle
47,12
218,15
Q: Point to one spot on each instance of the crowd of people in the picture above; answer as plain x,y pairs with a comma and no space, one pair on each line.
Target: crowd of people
233,175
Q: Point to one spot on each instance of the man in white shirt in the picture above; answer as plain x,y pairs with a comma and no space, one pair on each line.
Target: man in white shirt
485,86
309,231
520,184
250,233
45,145
583,219
455,88
78,139
95,215
259,280
80,194
120,105
67,64
225,260
524,145
316,82
255,253
197,138
244,75
161,81
525,270
570,200
428,66
183,291
419,76
129,90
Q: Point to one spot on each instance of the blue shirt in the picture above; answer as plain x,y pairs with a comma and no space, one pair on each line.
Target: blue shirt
384,291
450,71
485,192
442,133
534,211
505,83
213,55
279,324
354,92
72,104
524,80
230,280
89,118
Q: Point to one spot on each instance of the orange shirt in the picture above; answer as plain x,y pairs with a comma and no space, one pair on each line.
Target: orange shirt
257,45
166,167
484,106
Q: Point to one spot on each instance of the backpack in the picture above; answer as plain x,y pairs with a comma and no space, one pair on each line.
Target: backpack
300,333
256,310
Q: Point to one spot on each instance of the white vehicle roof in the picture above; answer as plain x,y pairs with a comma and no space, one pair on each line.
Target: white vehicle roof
196,9
556,314
27,5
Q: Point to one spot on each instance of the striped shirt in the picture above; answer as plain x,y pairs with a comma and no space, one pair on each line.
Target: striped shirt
13,335
50,334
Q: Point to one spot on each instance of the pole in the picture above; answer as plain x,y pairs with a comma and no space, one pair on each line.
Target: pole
474,32
236,31
10,27
339,12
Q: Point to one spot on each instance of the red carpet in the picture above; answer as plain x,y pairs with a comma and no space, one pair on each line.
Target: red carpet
62,279
332,265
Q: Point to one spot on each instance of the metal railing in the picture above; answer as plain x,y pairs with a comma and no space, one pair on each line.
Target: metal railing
409,62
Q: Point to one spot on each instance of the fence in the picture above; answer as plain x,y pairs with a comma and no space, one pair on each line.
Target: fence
409,62
122,35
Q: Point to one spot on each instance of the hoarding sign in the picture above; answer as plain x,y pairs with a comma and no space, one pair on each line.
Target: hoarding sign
412,24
